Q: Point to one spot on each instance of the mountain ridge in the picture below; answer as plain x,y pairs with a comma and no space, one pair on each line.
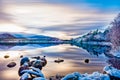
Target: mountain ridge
23,35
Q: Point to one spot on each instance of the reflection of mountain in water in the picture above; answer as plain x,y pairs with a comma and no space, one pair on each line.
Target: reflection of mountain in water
23,46
16,40
5,47
95,48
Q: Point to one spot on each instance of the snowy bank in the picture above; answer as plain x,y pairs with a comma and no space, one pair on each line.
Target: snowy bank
109,71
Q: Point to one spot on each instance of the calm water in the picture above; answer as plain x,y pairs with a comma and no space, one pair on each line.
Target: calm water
73,59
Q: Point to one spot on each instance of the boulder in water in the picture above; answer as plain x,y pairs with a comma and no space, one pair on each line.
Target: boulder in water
6,56
11,64
59,60
21,56
86,60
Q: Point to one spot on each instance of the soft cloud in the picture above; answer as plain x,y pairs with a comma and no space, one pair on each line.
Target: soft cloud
41,15
8,27
57,20
3,16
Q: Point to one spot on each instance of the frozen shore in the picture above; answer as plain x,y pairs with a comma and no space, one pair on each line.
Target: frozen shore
109,73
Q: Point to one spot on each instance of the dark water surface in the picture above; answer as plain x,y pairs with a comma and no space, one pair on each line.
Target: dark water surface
73,59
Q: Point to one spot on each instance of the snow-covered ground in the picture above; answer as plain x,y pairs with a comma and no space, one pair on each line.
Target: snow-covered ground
109,71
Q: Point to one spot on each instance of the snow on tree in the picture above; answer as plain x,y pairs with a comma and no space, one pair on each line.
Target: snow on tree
115,32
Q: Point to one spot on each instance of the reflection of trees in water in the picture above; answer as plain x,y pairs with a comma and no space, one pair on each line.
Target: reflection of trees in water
95,49
98,49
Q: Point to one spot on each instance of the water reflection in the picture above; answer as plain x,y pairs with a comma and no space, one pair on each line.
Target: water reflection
6,47
23,46
95,49
73,60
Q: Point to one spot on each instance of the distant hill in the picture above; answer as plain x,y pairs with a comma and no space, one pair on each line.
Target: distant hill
24,35
6,35
28,37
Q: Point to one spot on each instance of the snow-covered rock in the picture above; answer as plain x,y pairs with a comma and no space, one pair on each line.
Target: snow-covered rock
34,71
72,76
24,76
110,71
39,78
93,76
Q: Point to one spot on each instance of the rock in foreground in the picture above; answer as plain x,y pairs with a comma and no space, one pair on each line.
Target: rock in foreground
11,64
111,73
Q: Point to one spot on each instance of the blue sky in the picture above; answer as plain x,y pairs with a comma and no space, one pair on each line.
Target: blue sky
58,18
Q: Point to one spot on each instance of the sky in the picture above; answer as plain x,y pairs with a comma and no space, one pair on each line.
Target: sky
63,19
